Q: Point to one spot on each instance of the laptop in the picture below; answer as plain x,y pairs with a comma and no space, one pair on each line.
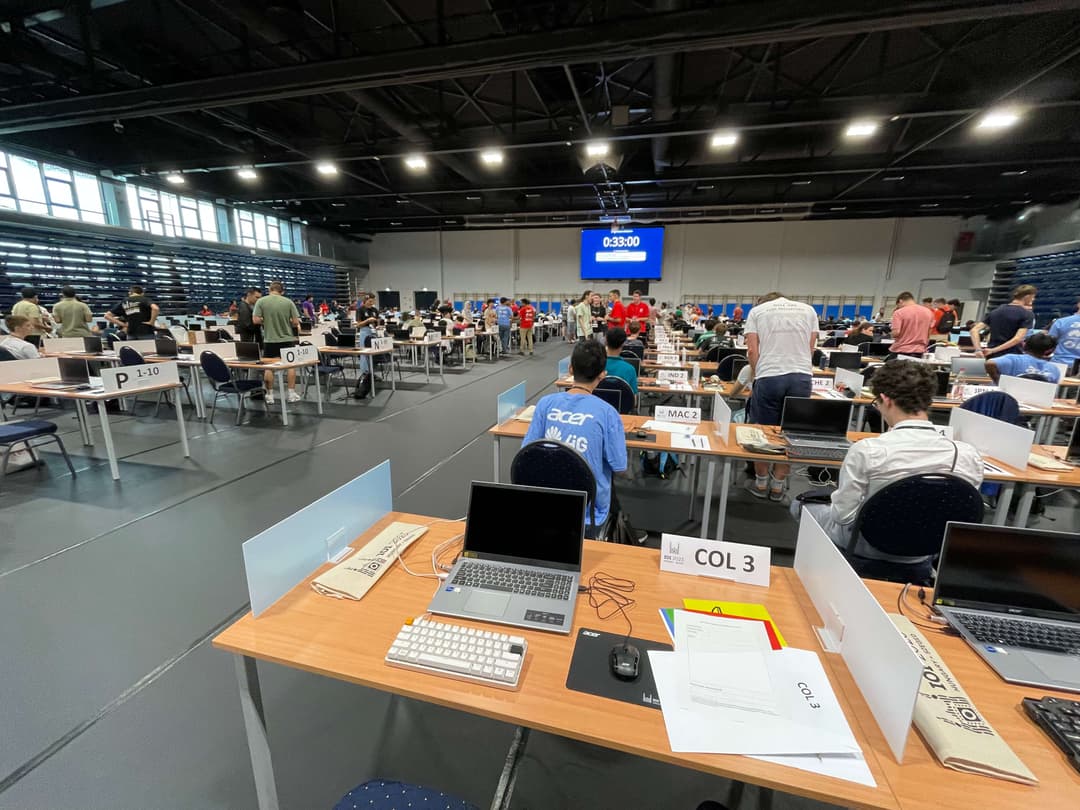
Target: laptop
1072,454
525,575
213,336
248,351
943,380
91,345
164,347
74,376
877,349
816,424
852,361
1014,595
969,365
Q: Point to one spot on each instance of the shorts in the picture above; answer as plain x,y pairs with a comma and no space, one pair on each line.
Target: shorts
767,400
274,349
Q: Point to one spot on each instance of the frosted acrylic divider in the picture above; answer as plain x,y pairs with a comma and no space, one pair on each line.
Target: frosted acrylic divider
1029,392
992,437
885,669
564,367
62,344
14,371
278,558
226,350
510,402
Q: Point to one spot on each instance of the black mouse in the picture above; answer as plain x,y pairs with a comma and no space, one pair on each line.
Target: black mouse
642,434
625,659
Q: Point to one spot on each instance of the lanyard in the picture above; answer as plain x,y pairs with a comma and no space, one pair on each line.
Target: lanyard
955,448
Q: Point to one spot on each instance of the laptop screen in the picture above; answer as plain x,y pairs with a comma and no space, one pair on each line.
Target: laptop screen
548,531
806,415
91,344
878,349
1073,453
852,361
1019,571
166,347
73,370
247,351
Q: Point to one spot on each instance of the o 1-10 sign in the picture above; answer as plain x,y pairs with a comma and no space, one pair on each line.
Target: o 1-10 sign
299,354
133,378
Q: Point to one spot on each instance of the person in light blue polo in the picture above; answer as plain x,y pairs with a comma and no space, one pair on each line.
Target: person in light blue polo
1034,362
504,316
1067,332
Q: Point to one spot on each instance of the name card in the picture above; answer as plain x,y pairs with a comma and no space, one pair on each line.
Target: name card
132,378
299,354
669,413
667,375
667,359
382,344
468,333
736,562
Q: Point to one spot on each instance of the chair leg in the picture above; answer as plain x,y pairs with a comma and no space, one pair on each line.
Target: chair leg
213,407
7,453
64,453
239,407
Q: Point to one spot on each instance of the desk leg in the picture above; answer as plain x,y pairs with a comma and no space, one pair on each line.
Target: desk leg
281,393
110,451
180,423
1040,428
1023,509
393,387
196,384
427,366
441,375
251,706
710,473
1001,514
860,415
84,422
504,791
497,467
694,477
721,504
318,387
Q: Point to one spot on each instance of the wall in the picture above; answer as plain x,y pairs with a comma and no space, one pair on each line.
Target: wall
876,257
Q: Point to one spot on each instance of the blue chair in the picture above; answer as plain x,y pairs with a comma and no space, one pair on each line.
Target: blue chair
24,433
224,384
907,518
385,794
554,465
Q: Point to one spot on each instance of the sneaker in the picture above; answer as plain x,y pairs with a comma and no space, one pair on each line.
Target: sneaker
752,486
776,489
292,396
269,398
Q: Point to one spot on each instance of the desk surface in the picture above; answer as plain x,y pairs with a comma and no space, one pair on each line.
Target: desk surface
25,389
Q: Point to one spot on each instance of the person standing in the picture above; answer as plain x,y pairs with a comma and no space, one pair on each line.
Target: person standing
571,320
526,321
29,308
945,316
1067,333
637,309
911,325
135,315
278,317
598,314
583,315
1008,324
367,317
737,313
616,317
16,343
780,339
245,326
309,307
504,317
72,316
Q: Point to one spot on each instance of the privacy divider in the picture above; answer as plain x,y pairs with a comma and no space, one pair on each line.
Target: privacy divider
510,402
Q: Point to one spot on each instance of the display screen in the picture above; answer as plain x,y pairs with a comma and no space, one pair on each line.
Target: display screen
627,253
807,415
547,528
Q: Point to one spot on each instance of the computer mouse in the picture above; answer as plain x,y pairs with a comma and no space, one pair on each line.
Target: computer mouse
625,659
642,434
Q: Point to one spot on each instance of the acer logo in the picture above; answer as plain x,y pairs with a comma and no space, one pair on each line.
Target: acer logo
590,634
568,417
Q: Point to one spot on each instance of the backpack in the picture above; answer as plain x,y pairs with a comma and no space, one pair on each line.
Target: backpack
659,464
946,321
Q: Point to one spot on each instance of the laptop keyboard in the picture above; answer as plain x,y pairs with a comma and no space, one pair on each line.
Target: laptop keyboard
513,580
1012,632
822,453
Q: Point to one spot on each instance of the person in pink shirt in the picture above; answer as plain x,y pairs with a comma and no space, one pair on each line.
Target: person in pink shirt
911,325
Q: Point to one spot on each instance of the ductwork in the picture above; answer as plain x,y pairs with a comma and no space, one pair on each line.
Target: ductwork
663,82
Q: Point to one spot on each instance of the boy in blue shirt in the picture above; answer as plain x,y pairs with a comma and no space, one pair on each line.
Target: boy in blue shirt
504,315
1037,349
1067,332
585,423
616,366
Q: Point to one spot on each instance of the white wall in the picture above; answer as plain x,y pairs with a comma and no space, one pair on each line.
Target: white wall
870,257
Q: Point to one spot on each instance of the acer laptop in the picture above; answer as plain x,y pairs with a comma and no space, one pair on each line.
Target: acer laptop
525,575
876,349
1014,596
248,351
816,424
1072,455
91,345
74,376
164,347
852,361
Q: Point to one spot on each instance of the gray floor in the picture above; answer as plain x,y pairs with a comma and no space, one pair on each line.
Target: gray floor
111,695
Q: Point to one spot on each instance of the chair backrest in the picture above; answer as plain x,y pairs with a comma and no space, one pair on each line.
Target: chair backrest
611,396
717,353
130,357
726,369
546,463
215,367
908,516
633,351
626,393
223,335
633,360
996,405
331,338
6,355
830,343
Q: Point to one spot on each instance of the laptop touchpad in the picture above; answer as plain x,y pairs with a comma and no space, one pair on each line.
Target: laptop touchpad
1059,668
486,603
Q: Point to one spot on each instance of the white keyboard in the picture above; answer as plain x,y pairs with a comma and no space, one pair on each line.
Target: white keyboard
463,653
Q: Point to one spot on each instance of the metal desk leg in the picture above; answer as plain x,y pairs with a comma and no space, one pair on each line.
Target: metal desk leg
721,504
110,451
427,366
318,387
860,415
84,423
1040,428
281,390
196,383
694,477
496,478
180,424
392,386
251,706
1001,514
710,472
504,791
1023,508
441,375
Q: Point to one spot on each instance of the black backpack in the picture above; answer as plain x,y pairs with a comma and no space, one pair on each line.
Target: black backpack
946,321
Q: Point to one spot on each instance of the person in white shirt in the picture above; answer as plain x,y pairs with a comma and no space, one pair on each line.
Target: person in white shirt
903,391
16,342
780,339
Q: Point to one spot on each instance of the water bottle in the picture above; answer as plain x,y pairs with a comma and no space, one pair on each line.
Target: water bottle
695,374
958,386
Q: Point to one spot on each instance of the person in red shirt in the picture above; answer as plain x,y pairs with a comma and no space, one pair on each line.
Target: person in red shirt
526,320
737,314
637,309
617,315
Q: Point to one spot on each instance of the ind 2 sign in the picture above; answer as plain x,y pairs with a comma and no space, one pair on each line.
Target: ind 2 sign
132,378
711,558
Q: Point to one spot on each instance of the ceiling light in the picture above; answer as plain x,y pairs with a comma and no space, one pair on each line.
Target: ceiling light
1014,173
893,179
723,140
344,225
247,174
473,197
492,157
861,129
705,188
175,178
402,202
1001,118
838,208
337,205
597,148
451,222
326,168
895,118
801,182
531,194
1020,202
395,223
930,205
694,213
416,162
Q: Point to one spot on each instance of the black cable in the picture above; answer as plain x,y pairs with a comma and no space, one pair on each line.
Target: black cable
613,591
913,616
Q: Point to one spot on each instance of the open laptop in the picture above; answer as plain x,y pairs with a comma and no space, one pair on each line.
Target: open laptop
1014,595
212,336
91,345
248,351
943,381
877,349
852,361
523,574
74,375
164,347
1072,454
816,425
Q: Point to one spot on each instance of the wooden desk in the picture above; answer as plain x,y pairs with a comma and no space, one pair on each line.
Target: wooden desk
425,346
82,398
346,351
317,634
275,366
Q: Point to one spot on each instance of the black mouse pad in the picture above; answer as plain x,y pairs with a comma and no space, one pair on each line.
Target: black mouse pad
632,436
590,671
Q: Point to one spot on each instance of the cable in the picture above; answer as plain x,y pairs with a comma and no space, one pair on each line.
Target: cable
901,598
613,591
398,552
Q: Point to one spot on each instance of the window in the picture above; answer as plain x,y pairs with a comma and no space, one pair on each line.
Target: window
262,231
49,190
165,214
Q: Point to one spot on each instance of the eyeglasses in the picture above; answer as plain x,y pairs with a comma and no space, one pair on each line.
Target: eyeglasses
876,402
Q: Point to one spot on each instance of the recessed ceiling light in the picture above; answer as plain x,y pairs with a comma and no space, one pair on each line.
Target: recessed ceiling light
893,178
930,205
838,208
416,162
402,202
492,157
724,140
597,148
532,194
247,174
998,119
337,205
473,197
801,182
326,167
175,178
861,129
705,188
1014,173
395,223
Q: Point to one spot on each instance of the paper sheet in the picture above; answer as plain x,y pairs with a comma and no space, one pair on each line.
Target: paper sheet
669,427
695,442
745,610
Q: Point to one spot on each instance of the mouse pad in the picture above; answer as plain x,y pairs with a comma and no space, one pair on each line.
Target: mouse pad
632,436
590,672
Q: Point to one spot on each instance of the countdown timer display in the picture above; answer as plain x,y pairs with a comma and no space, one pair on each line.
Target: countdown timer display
624,254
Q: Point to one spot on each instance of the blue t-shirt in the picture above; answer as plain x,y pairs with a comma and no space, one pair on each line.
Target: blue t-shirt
1067,332
590,426
504,314
617,367
1016,364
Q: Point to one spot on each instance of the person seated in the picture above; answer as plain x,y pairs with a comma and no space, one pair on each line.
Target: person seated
616,366
1035,361
903,392
720,339
19,328
633,338
584,422
862,332
413,321
206,310
707,335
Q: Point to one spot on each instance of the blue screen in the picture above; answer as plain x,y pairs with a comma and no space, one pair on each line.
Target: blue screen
628,253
